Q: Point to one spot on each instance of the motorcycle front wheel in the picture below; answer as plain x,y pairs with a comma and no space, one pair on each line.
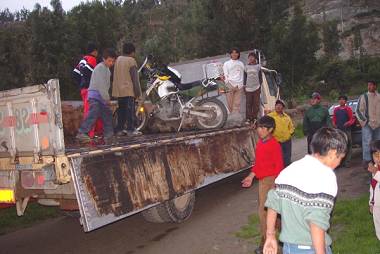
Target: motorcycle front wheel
218,113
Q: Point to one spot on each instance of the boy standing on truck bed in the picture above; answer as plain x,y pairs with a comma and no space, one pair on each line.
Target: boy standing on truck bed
234,77
82,75
126,88
304,195
268,164
99,98
252,80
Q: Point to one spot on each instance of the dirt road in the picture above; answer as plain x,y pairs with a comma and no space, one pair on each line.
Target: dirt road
220,211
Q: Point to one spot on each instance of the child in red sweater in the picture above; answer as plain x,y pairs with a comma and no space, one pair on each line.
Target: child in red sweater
268,165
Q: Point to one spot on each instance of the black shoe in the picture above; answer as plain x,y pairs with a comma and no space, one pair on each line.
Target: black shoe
121,133
365,164
110,140
259,250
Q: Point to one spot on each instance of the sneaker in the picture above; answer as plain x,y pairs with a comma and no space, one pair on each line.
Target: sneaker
346,165
121,133
134,133
259,250
82,137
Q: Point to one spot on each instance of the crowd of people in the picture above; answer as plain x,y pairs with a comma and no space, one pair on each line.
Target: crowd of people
302,192
94,81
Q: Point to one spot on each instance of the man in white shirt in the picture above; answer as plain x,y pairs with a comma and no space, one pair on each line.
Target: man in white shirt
234,77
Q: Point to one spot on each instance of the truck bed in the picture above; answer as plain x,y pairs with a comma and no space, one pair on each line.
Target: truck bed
76,149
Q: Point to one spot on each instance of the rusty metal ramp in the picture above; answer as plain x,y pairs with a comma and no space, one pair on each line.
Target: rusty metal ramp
115,182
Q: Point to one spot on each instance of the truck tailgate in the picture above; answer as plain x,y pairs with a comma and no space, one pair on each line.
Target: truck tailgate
124,179
31,121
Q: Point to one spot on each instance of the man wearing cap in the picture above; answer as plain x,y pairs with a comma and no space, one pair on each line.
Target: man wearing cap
368,114
283,131
315,118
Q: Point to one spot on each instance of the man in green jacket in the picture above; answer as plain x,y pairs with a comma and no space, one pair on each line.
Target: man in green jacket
315,118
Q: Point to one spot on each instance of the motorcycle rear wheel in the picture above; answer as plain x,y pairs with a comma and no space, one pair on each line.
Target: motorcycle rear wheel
219,114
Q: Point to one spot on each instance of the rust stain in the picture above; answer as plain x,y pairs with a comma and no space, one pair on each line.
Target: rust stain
136,178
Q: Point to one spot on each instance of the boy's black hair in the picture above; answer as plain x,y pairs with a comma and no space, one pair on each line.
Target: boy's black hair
266,122
372,81
344,97
253,54
128,48
109,53
375,146
326,139
91,46
237,51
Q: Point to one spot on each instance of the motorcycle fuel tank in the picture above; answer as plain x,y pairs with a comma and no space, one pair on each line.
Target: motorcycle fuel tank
166,88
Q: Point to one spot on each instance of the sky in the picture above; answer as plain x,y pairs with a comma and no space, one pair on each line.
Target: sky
15,5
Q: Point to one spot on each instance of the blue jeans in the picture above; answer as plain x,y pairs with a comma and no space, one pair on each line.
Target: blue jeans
286,148
290,248
369,135
98,110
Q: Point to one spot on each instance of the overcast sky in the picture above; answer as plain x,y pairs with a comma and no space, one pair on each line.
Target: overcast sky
15,5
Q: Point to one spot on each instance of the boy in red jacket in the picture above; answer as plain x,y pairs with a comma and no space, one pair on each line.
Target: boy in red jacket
268,165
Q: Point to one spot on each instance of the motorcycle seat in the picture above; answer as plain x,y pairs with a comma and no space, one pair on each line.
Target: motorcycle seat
187,86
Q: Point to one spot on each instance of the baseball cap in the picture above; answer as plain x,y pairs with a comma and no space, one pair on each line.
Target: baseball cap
316,95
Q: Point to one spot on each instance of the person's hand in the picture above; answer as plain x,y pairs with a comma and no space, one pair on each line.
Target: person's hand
271,245
247,182
372,168
371,209
347,124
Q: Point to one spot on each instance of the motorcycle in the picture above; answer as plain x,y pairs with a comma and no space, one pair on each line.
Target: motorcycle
175,101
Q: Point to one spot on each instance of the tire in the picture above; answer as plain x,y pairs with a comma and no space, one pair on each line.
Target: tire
175,211
220,117
142,119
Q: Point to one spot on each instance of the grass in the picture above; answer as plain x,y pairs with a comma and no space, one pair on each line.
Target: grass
9,221
298,132
251,231
352,228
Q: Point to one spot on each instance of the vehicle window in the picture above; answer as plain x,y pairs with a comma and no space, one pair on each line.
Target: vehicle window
271,83
353,105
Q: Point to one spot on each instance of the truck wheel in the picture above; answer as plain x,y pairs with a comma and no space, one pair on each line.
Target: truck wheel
176,210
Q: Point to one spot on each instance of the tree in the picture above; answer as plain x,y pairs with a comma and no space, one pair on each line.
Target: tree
292,50
330,39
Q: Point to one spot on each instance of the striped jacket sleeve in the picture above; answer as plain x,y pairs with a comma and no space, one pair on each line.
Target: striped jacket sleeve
361,109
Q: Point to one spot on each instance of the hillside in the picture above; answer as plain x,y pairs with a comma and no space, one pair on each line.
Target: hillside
358,23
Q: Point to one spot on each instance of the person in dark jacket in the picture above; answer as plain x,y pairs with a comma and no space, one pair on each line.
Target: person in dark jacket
343,119
82,74
315,118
